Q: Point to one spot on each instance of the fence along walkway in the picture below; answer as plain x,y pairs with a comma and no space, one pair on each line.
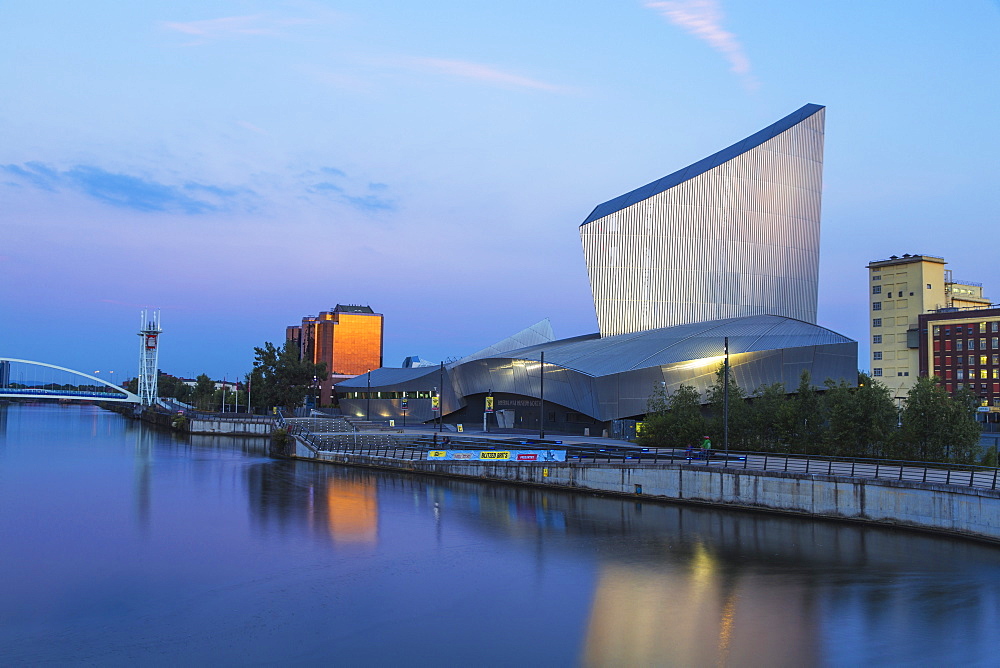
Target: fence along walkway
321,436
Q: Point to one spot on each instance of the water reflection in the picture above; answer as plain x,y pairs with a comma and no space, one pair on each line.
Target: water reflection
131,543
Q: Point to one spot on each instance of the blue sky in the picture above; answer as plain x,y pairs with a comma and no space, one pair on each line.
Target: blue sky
241,164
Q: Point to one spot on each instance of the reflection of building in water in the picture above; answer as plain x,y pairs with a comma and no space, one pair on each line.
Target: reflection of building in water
352,511
698,615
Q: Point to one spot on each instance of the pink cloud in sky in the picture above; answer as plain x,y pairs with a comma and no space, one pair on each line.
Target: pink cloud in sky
703,19
480,72
235,26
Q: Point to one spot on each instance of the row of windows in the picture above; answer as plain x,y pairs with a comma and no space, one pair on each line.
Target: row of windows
877,371
993,327
412,394
877,290
959,359
972,386
969,344
983,374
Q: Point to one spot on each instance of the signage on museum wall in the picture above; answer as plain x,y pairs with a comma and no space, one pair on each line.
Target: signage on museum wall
489,404
498,455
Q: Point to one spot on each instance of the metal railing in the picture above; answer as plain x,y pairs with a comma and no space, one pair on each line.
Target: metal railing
965,475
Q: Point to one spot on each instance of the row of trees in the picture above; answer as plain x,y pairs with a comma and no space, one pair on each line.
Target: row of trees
279,378
840,420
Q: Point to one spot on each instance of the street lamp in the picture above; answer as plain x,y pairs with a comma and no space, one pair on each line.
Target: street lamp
368,398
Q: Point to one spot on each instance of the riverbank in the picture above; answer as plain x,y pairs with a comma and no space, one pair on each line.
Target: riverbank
941,508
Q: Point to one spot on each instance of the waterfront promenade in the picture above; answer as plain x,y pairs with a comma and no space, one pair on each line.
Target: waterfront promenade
955,500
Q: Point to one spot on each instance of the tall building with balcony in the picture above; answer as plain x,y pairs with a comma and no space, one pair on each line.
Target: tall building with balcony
735,234
348,339
901,289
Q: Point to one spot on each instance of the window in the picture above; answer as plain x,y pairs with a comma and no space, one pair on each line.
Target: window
982,360
928,286
996,400
876,306
899,373
960,374
996,374
972,344
876,322
994,326
877,338
993,342
947,331
958,344
959,386
995,359
982,374
900,293
877,277
877,354
972,360
876,372
982,328
906,373
947,360
971,329
937,330
877,290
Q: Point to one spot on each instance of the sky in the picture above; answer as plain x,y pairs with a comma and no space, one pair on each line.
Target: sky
241,164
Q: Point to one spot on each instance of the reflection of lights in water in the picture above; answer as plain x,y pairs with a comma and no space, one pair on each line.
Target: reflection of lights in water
685,613
352,511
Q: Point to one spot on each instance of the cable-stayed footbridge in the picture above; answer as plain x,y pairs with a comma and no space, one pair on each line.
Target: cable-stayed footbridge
27,379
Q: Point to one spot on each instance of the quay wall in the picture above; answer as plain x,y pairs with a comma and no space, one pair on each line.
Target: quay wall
233,427
952,509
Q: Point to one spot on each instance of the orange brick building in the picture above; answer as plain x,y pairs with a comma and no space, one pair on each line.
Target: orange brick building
347,339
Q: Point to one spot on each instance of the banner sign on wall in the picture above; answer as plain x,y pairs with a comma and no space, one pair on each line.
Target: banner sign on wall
499,455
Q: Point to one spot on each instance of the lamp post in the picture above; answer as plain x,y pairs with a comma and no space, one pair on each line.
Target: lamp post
368,398
541,393
440,397
725,400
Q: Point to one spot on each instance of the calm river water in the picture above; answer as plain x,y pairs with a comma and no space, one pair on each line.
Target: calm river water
121,544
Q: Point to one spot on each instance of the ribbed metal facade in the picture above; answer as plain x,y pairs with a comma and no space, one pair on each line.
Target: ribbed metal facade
736,234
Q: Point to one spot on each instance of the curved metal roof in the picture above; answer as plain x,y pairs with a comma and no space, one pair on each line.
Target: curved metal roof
702,166
595,356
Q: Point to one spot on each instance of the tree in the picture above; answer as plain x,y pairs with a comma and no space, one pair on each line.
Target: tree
807,417
673,419
739,411
203,394
280,378
769,419
936,427
862,420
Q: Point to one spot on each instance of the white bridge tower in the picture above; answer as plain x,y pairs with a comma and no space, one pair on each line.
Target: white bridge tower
149,333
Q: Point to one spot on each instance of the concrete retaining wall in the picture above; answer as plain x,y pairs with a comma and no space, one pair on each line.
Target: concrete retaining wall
232,427
965,511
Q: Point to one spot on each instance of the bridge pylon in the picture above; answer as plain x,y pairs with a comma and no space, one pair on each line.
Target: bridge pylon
149,331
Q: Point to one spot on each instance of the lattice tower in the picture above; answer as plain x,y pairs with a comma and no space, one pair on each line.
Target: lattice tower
149,333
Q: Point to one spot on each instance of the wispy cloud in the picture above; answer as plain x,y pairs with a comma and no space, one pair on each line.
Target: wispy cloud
370,199
252,25
128,191
703,19
479,72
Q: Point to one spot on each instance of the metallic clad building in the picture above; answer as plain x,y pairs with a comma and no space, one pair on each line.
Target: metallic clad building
591,380
732,235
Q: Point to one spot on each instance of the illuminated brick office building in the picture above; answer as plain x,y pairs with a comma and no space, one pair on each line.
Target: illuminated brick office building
962,348
347,339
